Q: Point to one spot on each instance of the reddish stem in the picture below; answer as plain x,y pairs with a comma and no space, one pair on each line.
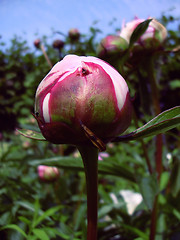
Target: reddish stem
154,220
89,155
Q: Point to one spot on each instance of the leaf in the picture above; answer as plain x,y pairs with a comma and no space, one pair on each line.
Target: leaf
136,231
31,134
175,179
139,30
41,234
76,164
30,207
161,123
25,220
149,189
46,214
15,227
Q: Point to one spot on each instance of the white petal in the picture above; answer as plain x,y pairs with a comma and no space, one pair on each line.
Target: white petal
46,114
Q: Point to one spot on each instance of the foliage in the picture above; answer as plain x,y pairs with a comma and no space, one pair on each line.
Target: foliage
31,209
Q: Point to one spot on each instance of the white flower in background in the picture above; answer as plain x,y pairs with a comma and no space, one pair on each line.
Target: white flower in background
131,199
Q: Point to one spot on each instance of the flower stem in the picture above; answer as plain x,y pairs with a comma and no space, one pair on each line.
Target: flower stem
89,155
159,142
157,110
46,56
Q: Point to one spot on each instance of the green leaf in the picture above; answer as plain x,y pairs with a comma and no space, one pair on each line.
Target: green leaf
31,207
161,123
175,178
14,227
149,189
164,180
76,164
135,230
25,220
46,214
139,30
41,234
31,134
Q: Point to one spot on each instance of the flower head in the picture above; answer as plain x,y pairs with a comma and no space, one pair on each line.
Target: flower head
37,43
82,97
58,44
47,173
74,34
111,49
153,37
111,45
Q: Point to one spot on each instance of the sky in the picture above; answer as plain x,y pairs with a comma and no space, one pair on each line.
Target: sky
29,17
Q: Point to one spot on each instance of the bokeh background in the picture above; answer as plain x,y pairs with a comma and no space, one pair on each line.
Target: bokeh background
139,181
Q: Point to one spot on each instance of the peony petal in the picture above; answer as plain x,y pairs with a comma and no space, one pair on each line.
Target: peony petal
46,114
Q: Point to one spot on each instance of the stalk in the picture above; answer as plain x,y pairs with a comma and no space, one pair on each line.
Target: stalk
159,143
157,110
143,145
89,156
46,56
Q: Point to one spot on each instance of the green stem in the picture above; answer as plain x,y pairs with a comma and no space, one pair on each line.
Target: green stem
89,155
143,145
157,110
159,143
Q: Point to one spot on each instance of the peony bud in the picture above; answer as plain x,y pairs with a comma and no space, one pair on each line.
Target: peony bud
80,97
111,46
74,34
48,174
58,44
153,37
37,43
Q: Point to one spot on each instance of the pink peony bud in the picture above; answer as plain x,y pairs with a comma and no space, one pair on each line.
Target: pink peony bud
81,96
74,34
154,36
111,45
48,174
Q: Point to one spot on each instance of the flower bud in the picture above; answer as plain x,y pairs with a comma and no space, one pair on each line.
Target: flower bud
153,37
48,174
58,44
74,34
81,97
37,43
110,46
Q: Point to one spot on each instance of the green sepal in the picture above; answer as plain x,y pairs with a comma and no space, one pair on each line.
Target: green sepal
31,134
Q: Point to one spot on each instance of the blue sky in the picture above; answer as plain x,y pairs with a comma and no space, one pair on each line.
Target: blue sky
41,16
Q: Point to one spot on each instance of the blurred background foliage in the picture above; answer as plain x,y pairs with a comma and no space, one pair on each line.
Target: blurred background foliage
33,209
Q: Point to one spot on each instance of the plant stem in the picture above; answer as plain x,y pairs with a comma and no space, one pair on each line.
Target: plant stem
89,155
154,219
159,142
157,110
45,55
143,145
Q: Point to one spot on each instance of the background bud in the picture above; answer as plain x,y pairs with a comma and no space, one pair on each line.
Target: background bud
111,45
48,174
82,91
111,49
74,34
37,43
153,37
58,44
